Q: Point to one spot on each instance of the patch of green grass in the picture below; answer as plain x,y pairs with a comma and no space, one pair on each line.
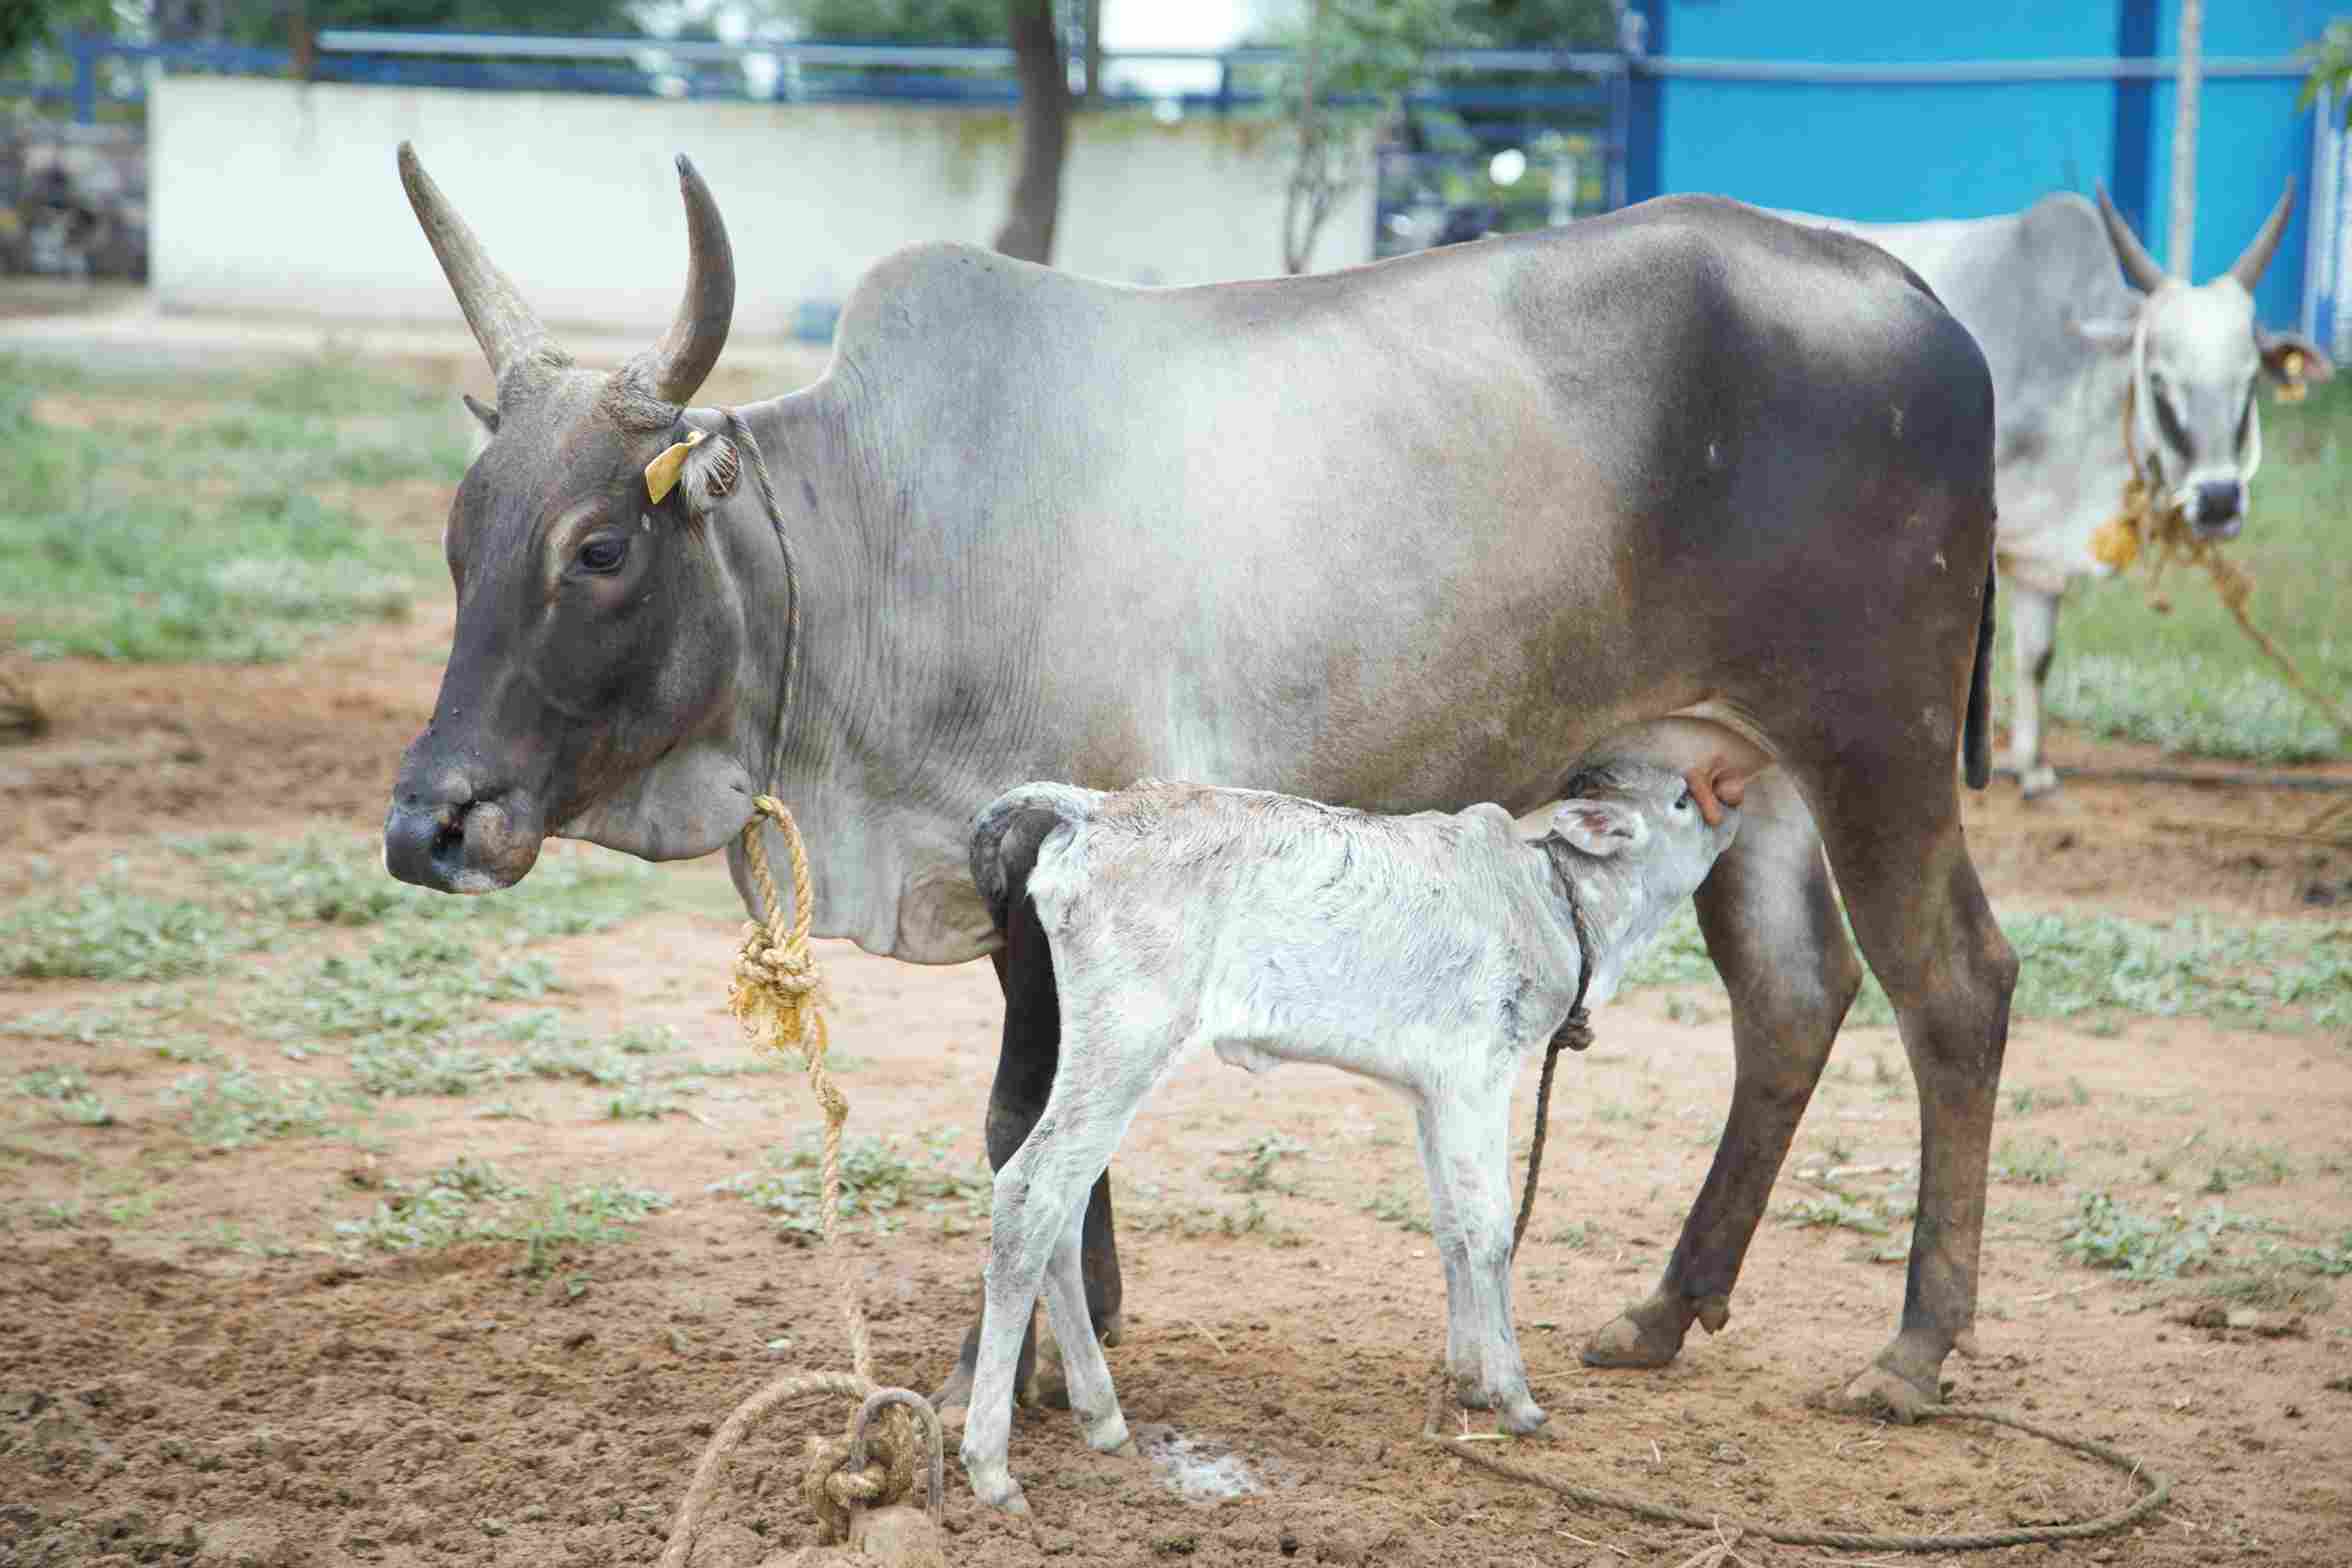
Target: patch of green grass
1404,1210
2104,1234
108,931
67,1094
2038,1163
2190,680
877,1178
2097,971
1256,1170
2331,1259
1834,1211
206,538
394,1065
238,1108
474,1201
412,982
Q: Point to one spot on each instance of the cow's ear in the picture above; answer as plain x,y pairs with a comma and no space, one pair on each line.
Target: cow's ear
2291,359
2108,336
482,411
1600,827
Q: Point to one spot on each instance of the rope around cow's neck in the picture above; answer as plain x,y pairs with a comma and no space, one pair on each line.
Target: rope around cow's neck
2165,533
778,996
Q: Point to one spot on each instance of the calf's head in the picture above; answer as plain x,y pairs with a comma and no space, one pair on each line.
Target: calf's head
590,684
2197,353
1633,841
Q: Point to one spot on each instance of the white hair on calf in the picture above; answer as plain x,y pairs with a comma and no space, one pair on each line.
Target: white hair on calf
1430,952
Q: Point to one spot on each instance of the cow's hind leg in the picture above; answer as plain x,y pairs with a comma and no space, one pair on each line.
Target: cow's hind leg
2033,616
1895,844
1025,1064
1772,927
1088,1376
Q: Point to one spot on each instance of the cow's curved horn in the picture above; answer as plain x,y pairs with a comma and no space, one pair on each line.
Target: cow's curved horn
506,327
691,347
2248,268
2138,265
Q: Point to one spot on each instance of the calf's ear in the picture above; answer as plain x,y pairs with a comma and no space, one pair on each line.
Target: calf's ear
1600,827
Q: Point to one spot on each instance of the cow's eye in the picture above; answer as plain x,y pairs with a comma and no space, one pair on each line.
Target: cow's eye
604,553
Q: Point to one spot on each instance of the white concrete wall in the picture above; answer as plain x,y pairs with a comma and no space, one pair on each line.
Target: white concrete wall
274,197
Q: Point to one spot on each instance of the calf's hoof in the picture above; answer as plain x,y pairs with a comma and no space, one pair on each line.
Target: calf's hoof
1108,1435
994,1485
1522,1416
1649,1334
2038,781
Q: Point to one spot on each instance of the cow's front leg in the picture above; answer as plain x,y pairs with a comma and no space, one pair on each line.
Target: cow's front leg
2034,616
1772,926
1465,1150
1025,1065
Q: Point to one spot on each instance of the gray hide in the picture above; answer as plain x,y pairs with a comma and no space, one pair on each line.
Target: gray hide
2054,296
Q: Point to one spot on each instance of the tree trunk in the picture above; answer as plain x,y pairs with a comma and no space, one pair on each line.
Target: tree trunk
1028,230
2184,137
1308,200
1094,52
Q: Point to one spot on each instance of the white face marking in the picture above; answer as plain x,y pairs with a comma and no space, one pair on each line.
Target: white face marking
2196,363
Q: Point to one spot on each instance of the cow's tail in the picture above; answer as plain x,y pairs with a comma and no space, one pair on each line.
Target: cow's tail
1008,831
1976,732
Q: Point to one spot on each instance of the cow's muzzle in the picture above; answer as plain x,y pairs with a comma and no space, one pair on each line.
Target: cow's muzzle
461,846
2220,509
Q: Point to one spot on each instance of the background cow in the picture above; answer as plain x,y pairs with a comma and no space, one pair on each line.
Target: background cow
2071,346
1433,953
1704,487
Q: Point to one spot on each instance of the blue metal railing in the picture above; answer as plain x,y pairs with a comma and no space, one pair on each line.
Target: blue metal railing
791,71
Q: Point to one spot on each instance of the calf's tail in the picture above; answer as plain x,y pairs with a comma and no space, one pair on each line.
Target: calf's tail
1976,732
1007,833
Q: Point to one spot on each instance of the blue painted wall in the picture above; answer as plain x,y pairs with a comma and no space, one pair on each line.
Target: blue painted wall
1896,153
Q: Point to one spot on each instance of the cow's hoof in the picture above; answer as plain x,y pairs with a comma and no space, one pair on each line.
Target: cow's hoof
953,1395
1049,1383
1110,1331
2037,782
1647,1335
1886,1396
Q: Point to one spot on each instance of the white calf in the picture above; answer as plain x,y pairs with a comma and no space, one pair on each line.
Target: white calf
1431,952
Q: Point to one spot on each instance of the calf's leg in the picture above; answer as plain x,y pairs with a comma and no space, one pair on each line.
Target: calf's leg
1465,1149
1038,1210
1092,1398
1772,926
1025,1064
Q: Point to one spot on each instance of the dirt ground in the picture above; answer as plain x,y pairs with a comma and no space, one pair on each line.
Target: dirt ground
170,1392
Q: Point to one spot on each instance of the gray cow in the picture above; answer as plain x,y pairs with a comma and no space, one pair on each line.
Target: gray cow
2069,344
1431,953
1686,484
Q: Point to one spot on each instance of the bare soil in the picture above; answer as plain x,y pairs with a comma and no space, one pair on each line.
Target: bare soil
206,1380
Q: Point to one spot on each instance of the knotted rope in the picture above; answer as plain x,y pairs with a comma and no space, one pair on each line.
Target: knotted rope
2162,532
2159,1491
778,996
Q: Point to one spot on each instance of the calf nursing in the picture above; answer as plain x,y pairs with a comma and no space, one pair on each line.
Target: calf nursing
1430,952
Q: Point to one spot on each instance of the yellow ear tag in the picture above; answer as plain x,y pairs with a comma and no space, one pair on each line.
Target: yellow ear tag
2294,387
661,475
